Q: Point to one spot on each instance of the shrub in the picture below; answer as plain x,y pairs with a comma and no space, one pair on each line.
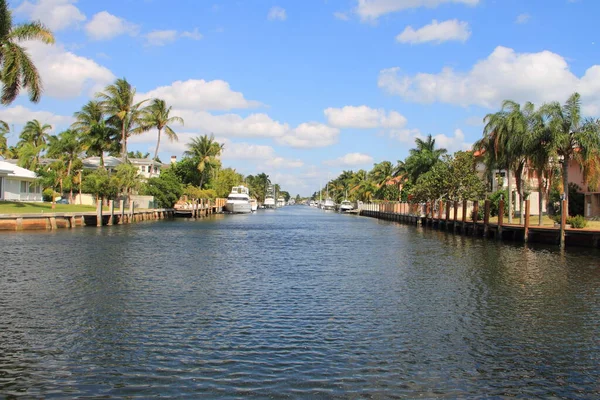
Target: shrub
479,214
577,221
495,202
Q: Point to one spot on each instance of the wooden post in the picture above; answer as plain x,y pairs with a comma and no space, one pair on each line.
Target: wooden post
440,209
99,213
475,214
427,209
455,215
500,218
486,217
464,217
563,223
526,227
121,211
131,211
111,207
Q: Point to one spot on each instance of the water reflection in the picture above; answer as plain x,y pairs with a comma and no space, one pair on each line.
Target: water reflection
293,303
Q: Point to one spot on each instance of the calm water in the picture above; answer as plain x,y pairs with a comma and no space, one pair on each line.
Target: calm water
293,303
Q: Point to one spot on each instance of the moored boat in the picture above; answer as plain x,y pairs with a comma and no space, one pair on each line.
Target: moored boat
238,201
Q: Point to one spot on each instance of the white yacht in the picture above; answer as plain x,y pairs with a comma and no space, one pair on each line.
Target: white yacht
346,205
280,202
269,198
312,203
238,201
328,204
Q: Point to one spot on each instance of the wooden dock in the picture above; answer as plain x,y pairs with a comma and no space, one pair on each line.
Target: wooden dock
459,224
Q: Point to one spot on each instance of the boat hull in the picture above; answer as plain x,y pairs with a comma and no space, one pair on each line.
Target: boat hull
238,208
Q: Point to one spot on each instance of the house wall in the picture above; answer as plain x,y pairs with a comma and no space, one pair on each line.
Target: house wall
15,189
576,175
592,205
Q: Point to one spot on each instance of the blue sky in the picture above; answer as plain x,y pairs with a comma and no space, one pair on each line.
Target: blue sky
302,90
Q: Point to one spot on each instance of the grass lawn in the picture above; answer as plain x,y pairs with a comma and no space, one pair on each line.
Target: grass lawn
17,207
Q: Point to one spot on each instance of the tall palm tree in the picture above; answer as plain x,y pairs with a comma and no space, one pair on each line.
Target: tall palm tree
117,101
4,130
204,150
33,141
96,135
573,138
504,142
157,115
18,71
422,158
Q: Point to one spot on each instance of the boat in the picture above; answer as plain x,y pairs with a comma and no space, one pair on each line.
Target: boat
253,204
269,198
238,201
346,205
280,202
328,204
312,203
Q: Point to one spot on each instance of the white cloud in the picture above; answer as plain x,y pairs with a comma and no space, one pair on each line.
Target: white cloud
350,160
65,74
523,18
194,34
105,26
370,10
277,14
452,143
201,95
504,74
363,117
233,125
55,14
341,16
20,115
246,151
309,135
437,32
160,38
405,135
280,162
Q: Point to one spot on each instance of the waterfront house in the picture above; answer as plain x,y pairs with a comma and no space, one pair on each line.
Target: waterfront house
18,184
144,165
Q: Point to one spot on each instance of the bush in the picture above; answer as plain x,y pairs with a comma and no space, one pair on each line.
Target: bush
577,221
479,215
495,202
48,193
166,188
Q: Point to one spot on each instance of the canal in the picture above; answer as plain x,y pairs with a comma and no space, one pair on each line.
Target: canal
293,303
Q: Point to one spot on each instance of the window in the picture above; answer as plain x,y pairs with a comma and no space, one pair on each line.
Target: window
32,187
143,168
24,187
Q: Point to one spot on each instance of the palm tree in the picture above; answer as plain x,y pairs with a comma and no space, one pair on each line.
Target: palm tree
117,101
18,71
33,140
156,115
204,150
66,147
421,159
504,143
572,137
4,130
97,137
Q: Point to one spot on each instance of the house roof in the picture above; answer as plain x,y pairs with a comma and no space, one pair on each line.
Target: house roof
15,171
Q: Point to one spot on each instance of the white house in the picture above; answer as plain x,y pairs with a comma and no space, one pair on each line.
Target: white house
144,165
18,184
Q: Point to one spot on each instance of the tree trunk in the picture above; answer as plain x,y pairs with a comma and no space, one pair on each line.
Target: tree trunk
124,142
519,182
80,183
69,174
565,172
155,153
509,181
540,195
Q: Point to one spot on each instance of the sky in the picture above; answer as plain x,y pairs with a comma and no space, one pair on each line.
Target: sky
302,90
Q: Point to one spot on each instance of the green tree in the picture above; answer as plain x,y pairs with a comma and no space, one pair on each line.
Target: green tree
166,188
4,130
101,184
157,115
572,138
97,136
117,101
421,159
18,70
205,151
66,147
128,179
225,180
